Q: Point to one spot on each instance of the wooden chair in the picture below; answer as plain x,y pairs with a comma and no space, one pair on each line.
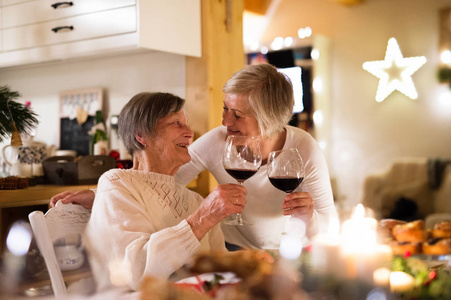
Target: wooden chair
64,221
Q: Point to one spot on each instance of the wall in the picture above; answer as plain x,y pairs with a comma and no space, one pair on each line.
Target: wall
367,136
121,76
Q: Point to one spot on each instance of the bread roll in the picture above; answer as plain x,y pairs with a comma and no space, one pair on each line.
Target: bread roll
402,248
384,229
443,226
410,232
437,246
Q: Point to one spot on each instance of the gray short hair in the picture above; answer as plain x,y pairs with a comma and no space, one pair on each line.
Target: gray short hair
270,95
141,114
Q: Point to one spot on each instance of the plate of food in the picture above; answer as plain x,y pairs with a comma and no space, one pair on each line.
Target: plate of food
209,283
412,238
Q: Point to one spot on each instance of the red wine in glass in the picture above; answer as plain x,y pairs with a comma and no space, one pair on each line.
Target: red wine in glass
242,159
286,184
285,170
241,175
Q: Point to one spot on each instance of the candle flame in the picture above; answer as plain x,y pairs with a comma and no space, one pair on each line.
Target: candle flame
359,212
359,233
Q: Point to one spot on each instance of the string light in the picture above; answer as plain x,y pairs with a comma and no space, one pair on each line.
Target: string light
277,43
254,45
445,57
445,99
304,32
395,72
317,85
318,117
288,41
314,54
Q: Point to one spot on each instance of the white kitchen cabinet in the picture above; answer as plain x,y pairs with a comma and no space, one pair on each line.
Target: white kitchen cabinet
34,32
87,26
12,2
33,12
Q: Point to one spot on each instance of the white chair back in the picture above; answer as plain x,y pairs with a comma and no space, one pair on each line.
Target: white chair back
62,221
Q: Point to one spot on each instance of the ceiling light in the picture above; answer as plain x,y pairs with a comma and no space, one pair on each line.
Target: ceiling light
314,54
304,32
318,117
288,41
254,45
277,44
317,85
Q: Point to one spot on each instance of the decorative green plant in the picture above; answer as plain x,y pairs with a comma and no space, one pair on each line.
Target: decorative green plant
14,117
430,284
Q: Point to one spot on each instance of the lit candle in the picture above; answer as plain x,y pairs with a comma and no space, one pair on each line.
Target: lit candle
381,277
17,242
326,251
359,245
355,252
401,282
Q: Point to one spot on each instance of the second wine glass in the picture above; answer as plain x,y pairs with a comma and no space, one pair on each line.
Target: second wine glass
242,159
285,170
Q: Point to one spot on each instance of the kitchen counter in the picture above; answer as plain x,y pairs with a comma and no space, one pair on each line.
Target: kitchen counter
36,195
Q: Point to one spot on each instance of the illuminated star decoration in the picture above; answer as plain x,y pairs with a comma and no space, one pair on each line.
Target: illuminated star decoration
395,72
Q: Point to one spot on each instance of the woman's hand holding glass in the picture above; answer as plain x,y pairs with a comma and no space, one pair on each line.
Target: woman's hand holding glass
286,172
223,201
242,159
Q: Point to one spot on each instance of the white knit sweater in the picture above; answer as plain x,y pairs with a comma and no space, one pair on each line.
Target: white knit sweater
138,228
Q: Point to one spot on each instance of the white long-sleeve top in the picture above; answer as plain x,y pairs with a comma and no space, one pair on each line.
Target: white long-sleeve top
264,201
138,228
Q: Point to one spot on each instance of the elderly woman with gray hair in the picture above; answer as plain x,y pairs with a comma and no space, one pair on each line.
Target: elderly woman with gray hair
143,222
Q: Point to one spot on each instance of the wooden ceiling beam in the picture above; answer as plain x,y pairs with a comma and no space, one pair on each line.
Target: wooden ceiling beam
349,2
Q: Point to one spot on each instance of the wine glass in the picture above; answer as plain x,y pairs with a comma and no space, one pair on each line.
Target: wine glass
242,159
285,170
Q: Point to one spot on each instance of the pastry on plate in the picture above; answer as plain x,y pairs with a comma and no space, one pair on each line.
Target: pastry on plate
441,230
437,246
410,232
443,226
384,229
405,248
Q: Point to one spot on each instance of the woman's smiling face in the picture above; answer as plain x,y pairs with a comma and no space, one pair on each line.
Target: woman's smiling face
170,142
238,116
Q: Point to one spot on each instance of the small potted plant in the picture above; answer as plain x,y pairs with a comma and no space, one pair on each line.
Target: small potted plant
15,118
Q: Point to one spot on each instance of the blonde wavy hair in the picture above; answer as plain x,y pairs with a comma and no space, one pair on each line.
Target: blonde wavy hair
270,95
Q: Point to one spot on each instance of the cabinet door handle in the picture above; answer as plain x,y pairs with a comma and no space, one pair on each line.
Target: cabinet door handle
56,29
58,4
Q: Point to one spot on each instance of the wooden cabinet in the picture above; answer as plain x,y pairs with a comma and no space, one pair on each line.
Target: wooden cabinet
42,30
17,204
